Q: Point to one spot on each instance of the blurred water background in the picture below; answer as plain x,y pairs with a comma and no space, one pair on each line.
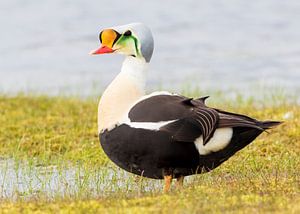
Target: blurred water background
233,45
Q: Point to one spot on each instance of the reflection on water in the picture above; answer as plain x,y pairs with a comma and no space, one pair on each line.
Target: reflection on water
213,44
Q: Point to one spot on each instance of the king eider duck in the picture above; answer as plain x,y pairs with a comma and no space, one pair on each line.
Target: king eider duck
162,135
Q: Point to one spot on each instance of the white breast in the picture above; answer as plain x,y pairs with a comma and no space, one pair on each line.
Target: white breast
125,89
219,141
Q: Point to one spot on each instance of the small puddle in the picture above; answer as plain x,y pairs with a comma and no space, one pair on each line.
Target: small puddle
19,180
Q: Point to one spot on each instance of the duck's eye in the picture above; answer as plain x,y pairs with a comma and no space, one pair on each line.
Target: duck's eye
100,37
127,33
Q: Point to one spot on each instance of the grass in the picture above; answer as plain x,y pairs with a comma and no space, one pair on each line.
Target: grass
43,134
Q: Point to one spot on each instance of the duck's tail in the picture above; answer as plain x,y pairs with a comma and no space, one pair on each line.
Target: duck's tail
269,124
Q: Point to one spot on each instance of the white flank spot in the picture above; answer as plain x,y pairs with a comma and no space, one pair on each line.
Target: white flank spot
219,141
149,125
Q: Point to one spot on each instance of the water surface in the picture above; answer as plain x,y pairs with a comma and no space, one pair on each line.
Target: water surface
219,45
30,180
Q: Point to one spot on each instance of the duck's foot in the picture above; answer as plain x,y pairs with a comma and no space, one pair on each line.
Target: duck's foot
179,183
168,181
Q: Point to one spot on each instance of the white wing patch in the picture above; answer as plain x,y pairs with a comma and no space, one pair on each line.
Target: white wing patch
149,125
219,141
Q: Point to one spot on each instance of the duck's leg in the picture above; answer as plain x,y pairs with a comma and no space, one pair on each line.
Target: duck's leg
168,181
179,183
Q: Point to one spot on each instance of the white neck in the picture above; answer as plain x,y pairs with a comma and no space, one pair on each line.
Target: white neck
122,92
136,70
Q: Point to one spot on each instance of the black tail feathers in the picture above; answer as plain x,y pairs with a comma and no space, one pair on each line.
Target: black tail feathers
269,124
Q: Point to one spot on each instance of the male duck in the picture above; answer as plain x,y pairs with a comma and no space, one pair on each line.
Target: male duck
162,135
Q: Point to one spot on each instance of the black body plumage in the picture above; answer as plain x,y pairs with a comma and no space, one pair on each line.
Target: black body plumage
150,153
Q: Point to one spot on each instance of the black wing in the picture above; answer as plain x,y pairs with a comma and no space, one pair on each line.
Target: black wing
192,117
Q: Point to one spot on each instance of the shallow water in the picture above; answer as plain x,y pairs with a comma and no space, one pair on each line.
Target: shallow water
29,180
214,44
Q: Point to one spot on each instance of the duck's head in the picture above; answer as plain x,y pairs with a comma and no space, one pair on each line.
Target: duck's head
131,40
